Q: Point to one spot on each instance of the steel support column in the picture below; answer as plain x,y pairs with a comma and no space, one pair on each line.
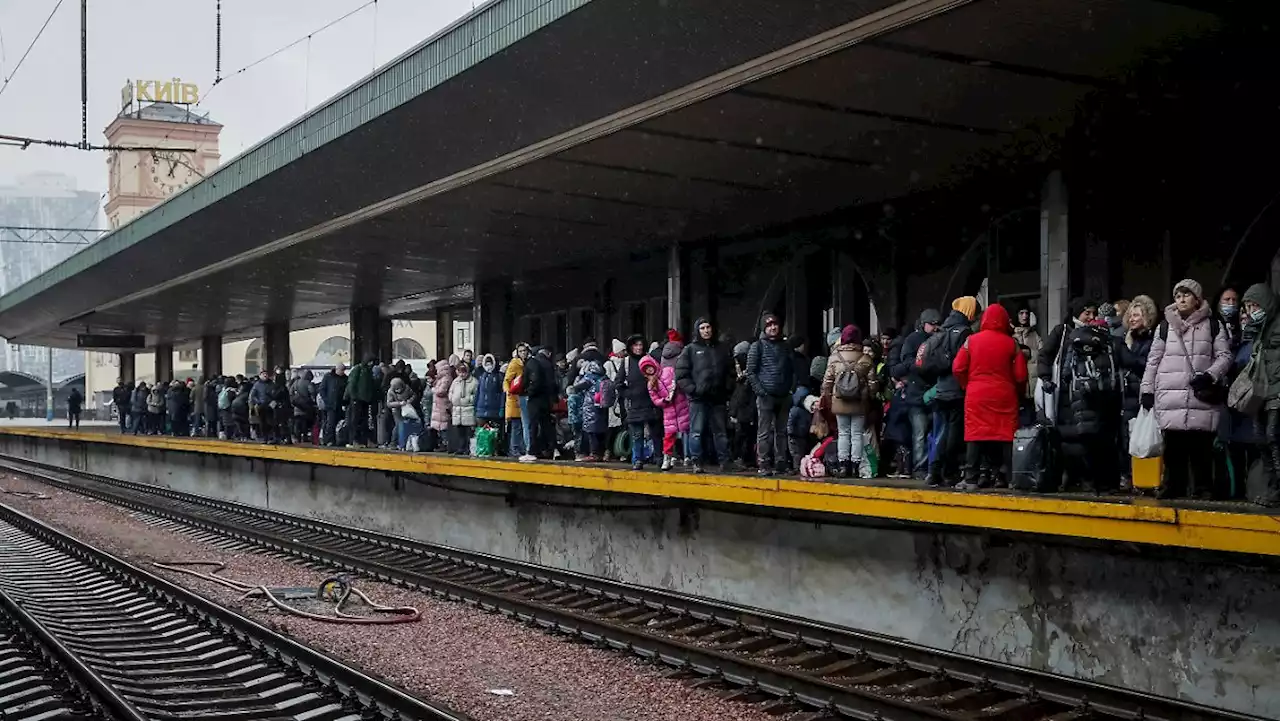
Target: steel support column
128,368
275,346
678,289
1055,282
211,356
164,363
364,334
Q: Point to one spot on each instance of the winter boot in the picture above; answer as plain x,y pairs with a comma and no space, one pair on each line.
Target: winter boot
846,469
668,462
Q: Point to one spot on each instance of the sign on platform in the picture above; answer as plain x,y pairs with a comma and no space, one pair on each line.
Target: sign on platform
110,341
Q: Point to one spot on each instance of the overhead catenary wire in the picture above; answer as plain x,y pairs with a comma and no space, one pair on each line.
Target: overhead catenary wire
289,46
18,66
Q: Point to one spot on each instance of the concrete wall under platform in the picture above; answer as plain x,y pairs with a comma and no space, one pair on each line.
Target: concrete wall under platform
1201,630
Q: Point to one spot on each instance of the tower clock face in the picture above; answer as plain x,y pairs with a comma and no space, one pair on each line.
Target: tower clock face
174,172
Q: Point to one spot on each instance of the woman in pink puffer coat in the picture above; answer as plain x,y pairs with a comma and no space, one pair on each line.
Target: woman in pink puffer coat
1186,362
674,404
442,408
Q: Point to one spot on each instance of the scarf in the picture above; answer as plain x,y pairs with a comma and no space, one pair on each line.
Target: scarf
1251,329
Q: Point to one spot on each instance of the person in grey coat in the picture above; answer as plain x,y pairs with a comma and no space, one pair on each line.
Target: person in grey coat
1185,367
771,373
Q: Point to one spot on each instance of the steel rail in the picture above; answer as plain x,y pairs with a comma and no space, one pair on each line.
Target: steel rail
363,695
598,610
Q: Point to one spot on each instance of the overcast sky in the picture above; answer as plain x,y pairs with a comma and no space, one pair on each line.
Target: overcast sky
162,39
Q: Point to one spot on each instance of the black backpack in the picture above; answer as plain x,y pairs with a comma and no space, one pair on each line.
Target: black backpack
939,351
1090,361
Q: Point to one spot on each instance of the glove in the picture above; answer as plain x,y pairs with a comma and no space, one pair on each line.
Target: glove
1148,400
1048,386
1200,381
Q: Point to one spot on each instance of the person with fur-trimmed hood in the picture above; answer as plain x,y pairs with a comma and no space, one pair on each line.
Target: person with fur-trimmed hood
442,407
490,402
598,397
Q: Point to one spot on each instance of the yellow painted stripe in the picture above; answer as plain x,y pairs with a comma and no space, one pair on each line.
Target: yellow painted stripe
1138,522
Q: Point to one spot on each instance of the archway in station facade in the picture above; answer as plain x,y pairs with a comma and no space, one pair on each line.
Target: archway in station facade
253,358
332,351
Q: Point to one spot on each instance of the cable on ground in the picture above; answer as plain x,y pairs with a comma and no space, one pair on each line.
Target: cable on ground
336,589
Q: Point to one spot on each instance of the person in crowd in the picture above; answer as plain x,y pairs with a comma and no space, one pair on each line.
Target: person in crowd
703,373
75,400
195,402
1079,313
1088,402
1240,434
138,415
633,388
800,371
156,407
1026,335
938,362
1187,363
890,347
513,385
260,411
282,408
849,388
799,423
1131,352
462,397
598,397
574,400
210,409
541,394
742,409
489,401
612,367
177,406
913,385
469,357
333,391
1228,310
361,395
441,406
771,373
832,339
302,398
992,370
814,374
240,411
1261,333
666,394
400,403
227,390
122,399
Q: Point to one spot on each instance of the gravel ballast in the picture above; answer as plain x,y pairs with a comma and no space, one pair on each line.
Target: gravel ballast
481,664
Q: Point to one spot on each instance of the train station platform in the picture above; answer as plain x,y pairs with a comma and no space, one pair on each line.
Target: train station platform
1212,526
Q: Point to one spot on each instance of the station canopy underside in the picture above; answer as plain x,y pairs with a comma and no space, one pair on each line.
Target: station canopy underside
445,190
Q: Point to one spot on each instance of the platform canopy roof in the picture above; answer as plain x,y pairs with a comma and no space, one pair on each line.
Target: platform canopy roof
535,133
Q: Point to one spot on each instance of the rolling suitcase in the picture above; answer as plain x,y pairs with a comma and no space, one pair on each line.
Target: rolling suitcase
1035,464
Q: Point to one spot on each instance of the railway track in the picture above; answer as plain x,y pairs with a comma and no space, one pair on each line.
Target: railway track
786,663
90,636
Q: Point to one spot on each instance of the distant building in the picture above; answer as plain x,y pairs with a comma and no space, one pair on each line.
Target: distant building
42,200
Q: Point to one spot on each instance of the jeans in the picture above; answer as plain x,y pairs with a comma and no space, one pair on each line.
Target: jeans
405,428
920,421
708,417
515,437
771,430
637,438
526,424
949,416
849,431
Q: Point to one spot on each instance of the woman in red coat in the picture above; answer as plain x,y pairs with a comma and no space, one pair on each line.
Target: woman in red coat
993,374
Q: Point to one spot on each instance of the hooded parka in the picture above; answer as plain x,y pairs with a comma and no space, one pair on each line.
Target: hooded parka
1189,349
992,370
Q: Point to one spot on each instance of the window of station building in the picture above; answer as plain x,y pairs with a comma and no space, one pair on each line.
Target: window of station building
562,332
408,349
253,358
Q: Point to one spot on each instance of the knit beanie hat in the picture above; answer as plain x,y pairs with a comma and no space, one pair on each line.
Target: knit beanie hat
673,336
741,348
618,347
967,305
851,334
833,337
818,368
1190,286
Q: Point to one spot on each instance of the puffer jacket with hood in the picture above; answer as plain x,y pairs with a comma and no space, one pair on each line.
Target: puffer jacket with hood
302,394
1171,365
462,396
178,400
704,370
993,371
515,369
905,369
155,398
594,418
441,408
633,389
1266,343
399,395
771,364
1131,350
489,400
667,394
138,401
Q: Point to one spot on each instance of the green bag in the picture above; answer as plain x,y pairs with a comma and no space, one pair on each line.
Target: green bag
486,441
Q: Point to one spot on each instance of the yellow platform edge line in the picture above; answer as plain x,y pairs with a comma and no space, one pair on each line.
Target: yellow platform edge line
1133,523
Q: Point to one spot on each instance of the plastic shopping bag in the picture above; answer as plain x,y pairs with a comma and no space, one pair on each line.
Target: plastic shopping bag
1145,439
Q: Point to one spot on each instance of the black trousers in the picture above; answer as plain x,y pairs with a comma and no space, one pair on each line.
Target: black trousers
542,432
1188,463
358,423
989,457
1091,462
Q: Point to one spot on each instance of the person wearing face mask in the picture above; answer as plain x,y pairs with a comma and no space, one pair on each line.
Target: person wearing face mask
1261,335
1189,359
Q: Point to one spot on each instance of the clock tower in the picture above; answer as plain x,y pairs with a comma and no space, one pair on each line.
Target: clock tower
140,179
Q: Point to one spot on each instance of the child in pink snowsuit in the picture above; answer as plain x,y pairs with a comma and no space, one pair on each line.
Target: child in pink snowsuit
674,404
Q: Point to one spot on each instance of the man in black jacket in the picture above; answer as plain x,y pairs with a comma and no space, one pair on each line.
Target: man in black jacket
122,397
914,385
333,390
771,373
702,373
540,388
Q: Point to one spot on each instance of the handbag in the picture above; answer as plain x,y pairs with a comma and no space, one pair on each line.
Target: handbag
408,412
1244,395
